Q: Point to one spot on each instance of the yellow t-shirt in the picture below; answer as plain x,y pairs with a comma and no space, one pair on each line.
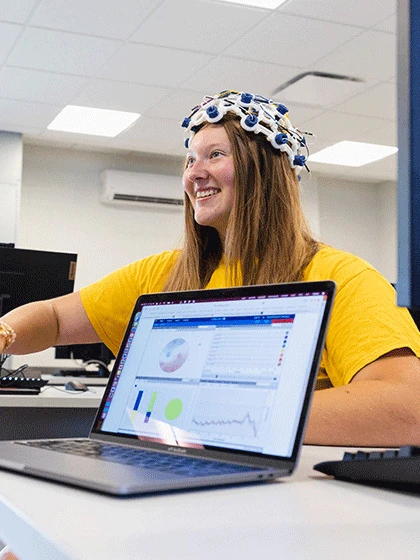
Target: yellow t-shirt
365,321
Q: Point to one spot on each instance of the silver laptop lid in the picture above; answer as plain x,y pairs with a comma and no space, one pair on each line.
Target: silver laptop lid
225,371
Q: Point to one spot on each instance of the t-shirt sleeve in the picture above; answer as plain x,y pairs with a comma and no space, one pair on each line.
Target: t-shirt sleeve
365,324
110,301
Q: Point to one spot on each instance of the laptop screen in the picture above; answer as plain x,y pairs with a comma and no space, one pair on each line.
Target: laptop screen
229,373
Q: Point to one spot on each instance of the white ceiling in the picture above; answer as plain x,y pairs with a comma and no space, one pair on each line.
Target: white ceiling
160,57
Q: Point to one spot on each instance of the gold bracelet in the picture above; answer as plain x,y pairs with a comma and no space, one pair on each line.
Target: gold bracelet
8,333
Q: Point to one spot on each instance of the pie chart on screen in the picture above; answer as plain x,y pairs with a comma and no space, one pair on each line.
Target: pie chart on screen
173,355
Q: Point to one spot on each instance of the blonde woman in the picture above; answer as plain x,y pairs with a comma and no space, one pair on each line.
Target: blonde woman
244,224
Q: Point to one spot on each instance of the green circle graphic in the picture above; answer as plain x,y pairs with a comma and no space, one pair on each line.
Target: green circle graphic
173,409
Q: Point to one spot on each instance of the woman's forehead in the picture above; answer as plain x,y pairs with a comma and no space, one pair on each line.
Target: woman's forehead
208,136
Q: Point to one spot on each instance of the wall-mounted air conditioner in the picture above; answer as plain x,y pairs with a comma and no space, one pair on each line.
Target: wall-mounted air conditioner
132,188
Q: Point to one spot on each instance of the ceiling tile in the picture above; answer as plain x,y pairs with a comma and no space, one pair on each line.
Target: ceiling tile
26,131
69,140
243,75
370,55
389,25
17,12
24,114
336,126
156,66
61,52
321,91
356,12
385,134
34,85
120,96
208,27
74,139
176,105
8,35
151,135
106,18
379,102
290,40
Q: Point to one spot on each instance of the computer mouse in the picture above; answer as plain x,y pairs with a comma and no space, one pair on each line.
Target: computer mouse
75,386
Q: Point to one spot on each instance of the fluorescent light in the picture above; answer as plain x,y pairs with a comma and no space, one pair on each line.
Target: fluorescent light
269,4
96,122
352,154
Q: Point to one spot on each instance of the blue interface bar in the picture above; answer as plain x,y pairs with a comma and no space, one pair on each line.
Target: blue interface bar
224,321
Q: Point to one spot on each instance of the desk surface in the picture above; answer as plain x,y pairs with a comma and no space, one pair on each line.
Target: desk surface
306,516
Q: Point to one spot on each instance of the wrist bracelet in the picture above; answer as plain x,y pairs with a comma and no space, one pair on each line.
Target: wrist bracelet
8,333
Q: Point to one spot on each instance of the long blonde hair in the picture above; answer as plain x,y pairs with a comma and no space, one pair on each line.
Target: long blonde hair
267,236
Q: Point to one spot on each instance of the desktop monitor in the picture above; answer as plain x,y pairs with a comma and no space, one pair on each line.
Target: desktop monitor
408,74
27,275
96,353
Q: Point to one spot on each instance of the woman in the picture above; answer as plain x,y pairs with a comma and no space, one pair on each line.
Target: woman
244,225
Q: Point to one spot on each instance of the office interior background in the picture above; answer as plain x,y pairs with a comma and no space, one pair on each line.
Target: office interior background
159,58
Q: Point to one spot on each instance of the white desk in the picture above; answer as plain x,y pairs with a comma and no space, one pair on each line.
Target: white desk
307,516
53,413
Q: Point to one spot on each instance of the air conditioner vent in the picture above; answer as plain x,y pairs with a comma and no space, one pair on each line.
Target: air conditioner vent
148,199
135,188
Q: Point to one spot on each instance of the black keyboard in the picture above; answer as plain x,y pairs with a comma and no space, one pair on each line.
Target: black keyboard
190,466
390,468
10,384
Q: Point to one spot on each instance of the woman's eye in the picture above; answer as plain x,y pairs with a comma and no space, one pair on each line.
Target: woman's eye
216,153
189,162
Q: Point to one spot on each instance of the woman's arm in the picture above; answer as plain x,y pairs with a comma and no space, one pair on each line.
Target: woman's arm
379,408
53,322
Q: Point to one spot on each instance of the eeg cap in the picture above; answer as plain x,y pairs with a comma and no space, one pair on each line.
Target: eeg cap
257,114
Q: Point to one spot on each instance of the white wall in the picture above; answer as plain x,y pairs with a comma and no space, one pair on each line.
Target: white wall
388,229
10,184
360,218
61,212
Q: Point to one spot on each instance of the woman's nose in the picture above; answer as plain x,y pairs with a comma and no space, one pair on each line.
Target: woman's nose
197,170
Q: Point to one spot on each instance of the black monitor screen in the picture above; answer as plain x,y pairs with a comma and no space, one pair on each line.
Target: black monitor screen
27,275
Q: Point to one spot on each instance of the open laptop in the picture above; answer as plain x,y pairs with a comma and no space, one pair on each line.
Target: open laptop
210,387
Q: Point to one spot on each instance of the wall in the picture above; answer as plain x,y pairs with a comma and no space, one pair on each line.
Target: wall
61,212
360,218
10,184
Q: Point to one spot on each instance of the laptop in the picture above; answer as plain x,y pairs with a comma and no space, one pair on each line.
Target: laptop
210,387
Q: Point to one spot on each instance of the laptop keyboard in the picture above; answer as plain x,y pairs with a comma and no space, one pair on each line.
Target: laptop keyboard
189,466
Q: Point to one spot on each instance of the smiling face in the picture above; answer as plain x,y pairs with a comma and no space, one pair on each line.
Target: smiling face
209,177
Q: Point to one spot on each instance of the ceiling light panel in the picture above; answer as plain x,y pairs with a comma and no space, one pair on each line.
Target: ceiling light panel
89,120
352,154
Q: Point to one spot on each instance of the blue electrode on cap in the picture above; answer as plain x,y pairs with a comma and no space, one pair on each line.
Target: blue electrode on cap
282,109
299,160
257,114
249,123
213,114
281,138
246,98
